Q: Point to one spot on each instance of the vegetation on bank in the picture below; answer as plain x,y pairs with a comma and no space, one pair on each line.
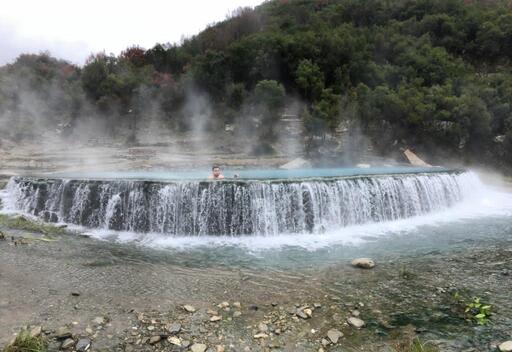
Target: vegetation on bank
24,224
24,342
434,75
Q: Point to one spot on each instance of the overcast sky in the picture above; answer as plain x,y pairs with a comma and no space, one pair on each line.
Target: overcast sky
72,29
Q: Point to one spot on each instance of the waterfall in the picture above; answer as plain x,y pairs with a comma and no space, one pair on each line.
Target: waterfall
236,207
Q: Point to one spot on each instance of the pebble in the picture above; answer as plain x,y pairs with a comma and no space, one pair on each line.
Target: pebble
67,343
189,308
36,331
174,328
63,333
237,314
237,305
216,318
308,312
223,305
174,340
154,339
334,335
76,294
262,327
301,314
151,328
355,313
261,335
220,348
83,345
99,320
364,263
505,346
355,322
198,347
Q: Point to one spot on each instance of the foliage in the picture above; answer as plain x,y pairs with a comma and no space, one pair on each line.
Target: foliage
478,312
474,310
25,343
415,346
434,75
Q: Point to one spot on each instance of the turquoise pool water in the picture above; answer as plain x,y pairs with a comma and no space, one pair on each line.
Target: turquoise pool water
249,174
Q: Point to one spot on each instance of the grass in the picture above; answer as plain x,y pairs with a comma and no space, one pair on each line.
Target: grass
414,346
26,343
24,224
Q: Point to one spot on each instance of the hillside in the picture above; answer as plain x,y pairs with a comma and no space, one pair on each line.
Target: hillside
434,76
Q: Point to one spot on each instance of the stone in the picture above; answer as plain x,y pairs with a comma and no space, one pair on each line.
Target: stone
62,333
262,327
237,305
223,305
301,314
261,335
355,313
355,322
505,346
74,293
308,312
83,345
189,308
151,328
216,318
198,347
99,320
325,342
174,340
363,263
220,348
185,343
174,328
67,343
154,339
36,331
334,335
212,312
237,314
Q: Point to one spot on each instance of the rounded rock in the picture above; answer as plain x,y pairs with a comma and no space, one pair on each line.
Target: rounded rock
363,263
505,346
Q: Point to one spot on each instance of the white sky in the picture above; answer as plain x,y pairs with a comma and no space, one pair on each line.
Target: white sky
72,29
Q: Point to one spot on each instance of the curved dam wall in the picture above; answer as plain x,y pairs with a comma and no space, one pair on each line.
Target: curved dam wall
263,207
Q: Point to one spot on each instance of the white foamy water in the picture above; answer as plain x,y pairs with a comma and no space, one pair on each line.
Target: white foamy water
310,214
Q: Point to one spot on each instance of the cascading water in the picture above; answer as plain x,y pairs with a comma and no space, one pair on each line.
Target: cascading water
261,207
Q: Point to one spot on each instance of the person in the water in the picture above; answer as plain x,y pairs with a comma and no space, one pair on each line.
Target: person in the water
216,175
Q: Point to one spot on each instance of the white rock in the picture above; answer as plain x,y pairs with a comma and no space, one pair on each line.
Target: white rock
355,322
36,331
216,318
189,308
198,347
262,327
505,346
261,335
364,263
99,320
174,340
334,335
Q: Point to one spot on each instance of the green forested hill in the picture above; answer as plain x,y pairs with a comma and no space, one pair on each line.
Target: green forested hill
433,75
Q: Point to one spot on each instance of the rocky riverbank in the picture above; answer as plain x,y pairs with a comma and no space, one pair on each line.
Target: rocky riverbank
116,297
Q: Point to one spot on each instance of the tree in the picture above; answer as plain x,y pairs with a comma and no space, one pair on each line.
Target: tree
310,79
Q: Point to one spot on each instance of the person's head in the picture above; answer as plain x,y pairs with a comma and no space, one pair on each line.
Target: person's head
216,170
